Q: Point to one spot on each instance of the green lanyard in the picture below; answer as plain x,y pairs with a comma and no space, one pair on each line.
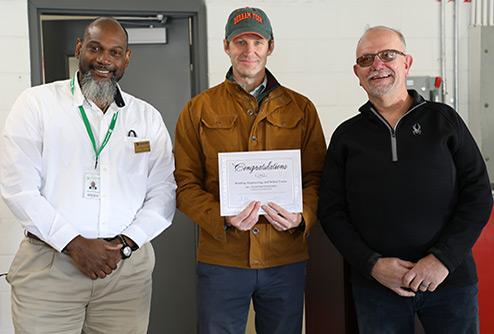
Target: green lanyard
90,132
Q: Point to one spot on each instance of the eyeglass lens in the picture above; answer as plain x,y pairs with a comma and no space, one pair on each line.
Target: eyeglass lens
386,56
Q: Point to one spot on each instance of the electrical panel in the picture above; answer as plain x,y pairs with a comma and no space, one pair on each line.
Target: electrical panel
481,91
427,86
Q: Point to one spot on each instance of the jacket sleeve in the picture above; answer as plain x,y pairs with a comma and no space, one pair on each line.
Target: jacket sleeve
474,203
313,150
192,198
333,213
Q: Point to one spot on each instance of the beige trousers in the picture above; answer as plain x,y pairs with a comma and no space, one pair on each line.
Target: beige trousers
50,295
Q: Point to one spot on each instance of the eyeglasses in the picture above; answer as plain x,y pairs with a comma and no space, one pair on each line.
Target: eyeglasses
386,56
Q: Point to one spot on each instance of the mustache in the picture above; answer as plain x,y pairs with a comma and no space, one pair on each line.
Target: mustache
103,68
375,74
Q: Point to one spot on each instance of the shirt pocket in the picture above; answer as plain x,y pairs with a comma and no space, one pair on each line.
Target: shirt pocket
133,163
284,131
219,134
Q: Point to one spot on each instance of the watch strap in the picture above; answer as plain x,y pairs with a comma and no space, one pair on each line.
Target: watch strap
122,240
125,246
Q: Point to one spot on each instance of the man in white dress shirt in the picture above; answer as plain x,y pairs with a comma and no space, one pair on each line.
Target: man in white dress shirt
88,171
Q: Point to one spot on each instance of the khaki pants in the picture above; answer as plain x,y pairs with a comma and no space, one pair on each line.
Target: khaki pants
51,295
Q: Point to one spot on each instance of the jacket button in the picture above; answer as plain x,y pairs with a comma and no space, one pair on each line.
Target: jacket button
250,112
284,123
254,139
221,237
255,262
255,230
218,123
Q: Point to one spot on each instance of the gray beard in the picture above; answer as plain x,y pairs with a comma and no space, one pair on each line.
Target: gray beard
379,89
101,93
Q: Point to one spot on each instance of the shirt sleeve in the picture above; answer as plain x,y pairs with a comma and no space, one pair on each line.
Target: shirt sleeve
21,173
158,208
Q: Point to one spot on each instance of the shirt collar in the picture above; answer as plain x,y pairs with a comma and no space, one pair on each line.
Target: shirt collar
257,91
260,89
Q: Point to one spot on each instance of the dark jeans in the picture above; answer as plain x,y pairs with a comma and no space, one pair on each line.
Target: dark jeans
448,310
224,295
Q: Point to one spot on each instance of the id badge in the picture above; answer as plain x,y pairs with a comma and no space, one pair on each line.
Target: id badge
91,185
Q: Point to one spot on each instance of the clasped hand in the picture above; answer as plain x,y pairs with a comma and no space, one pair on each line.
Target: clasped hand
277,216
97,258
405,277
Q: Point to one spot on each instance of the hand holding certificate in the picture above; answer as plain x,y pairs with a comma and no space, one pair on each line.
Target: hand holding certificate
264,176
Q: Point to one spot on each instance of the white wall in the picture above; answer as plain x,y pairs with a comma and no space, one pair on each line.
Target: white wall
314,54
315,45
14,78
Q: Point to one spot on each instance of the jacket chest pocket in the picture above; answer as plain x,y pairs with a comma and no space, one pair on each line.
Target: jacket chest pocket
218,134
284,131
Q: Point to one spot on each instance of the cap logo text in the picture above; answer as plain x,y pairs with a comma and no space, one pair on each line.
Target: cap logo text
247,15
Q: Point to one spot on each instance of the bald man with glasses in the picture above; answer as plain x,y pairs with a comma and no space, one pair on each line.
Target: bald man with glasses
404,196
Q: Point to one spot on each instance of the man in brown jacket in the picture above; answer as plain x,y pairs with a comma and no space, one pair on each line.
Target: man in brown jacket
248,256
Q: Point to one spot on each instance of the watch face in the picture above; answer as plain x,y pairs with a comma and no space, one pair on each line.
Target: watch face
126,251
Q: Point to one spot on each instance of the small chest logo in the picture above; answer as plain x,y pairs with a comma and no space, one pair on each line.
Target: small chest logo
416,129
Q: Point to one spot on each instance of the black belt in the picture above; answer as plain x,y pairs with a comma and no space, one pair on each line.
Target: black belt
34,236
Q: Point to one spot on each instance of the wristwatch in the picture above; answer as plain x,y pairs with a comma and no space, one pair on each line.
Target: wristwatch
126,250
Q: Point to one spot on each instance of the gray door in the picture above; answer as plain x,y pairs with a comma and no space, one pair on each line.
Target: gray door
159,74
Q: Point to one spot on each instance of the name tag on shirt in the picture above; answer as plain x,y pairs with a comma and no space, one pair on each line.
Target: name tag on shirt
91,186
142,146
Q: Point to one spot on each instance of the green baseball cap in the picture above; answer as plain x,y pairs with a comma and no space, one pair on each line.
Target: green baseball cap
248,20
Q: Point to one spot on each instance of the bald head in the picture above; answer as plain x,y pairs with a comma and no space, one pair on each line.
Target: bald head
103,57
383,78
384,29
104,23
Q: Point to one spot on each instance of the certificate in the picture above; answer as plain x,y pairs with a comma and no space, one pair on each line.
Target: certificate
265,176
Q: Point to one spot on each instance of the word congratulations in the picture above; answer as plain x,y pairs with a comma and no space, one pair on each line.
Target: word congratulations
243,167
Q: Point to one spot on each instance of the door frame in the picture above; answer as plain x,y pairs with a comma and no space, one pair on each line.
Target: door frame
194,9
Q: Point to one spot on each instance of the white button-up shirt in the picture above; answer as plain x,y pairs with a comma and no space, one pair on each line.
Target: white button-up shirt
47,153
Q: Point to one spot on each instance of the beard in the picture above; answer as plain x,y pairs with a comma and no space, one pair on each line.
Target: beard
379,89
100,92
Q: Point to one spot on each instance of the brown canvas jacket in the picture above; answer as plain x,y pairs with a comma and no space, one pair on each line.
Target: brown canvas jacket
226,118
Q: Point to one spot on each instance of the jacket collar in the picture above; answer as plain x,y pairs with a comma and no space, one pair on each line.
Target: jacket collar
271,85
417,99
